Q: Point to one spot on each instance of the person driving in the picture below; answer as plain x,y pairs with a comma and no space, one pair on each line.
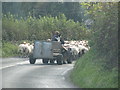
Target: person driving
57,37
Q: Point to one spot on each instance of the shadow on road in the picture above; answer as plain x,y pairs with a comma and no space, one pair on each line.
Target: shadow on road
38,64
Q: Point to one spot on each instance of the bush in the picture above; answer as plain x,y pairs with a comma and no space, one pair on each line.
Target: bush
99,67
32,28
9,49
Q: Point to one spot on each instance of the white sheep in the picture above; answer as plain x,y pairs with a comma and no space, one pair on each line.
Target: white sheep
82,49
30,48
22,50
25,49
77,48
74,50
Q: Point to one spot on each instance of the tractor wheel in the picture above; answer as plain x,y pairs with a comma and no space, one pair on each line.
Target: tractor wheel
31,59
59,60
69,61
45,61
52,61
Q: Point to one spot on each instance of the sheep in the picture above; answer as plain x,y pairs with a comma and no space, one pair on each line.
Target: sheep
48,40
25,49
31,47
82,49
77,48
74,50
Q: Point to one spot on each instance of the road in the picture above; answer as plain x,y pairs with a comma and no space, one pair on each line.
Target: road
18,73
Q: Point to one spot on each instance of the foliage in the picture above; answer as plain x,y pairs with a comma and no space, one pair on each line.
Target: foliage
104,30
9,49
71,10
41,28
99,67
90,74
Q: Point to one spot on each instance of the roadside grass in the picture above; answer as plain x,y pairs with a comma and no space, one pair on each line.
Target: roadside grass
89,73
9,49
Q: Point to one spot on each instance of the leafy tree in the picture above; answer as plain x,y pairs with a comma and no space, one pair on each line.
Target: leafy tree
72,10
105,28
41,28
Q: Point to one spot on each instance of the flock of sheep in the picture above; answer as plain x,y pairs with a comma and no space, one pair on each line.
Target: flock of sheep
77,48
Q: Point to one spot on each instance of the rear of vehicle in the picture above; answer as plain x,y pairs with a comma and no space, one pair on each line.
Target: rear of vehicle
47,51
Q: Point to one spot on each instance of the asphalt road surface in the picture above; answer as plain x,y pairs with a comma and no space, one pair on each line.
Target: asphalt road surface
18,73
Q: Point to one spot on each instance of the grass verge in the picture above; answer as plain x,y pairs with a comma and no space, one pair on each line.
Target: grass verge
9,49
89,73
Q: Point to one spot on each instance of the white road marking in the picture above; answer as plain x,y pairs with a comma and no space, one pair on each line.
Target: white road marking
13,65
66,71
